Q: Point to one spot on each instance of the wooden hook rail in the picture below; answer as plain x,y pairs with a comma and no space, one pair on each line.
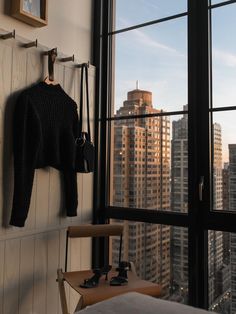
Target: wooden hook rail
52,52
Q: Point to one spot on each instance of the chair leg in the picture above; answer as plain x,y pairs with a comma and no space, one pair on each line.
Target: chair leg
133,268
79,306
61,286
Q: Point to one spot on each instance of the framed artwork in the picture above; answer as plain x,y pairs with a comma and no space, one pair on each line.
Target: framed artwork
33,12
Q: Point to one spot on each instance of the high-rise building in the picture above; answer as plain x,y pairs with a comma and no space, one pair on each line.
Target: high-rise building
179,203
232,207
141,179
225,178
215,238
226,235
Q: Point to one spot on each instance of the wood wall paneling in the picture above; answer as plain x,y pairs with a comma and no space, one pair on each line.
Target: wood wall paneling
5,73
1,170
2,266
19,66
5,146
62,261
26,275
55,203
42,197
53,247
11,277
40,273
30,256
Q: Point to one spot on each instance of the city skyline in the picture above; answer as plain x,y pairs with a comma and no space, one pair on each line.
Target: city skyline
156,55
227,136
150,170
140,156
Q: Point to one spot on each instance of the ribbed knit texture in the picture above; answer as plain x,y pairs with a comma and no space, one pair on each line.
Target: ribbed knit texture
45,129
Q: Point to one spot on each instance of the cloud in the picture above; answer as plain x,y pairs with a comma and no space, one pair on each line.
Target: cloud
225,57
151,5
148,41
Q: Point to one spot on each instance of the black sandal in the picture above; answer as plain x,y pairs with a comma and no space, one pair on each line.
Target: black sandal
122,278
94,280
118,281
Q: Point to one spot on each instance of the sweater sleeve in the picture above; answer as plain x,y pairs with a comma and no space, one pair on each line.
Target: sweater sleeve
70,192
26,140
70,176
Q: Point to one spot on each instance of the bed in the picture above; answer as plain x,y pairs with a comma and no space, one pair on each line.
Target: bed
133,303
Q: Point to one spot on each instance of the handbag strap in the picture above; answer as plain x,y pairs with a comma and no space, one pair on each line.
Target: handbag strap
84,67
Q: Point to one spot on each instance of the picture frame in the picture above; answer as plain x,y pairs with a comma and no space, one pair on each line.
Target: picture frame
33,12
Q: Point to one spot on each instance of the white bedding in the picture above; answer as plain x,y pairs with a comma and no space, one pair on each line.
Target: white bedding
133,303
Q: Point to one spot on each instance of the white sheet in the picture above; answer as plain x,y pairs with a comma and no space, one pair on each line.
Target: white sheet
133,303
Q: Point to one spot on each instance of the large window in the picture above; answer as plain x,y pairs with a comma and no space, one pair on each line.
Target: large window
167,142
159,253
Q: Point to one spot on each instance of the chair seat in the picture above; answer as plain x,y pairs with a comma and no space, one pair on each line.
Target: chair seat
104,291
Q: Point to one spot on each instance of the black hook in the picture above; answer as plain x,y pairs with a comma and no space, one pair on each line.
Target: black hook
8,35
31,44
86,65
72,58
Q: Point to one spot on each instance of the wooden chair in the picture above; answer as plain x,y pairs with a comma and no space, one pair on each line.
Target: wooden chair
103,291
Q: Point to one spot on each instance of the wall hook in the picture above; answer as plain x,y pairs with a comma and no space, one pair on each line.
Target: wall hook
83,65
8,35
50,52
31,44
72,58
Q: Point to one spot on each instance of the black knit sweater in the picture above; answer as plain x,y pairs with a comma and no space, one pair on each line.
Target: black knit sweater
45,127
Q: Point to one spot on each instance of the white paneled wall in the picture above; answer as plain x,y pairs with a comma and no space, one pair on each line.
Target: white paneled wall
30,256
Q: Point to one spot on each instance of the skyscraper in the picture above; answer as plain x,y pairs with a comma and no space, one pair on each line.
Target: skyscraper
141,179
179,203
215,238
232,207
226,235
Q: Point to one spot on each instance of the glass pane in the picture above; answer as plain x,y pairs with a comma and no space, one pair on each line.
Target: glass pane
132,12
224,163
221,272
159,253
148,169
152,59
224,56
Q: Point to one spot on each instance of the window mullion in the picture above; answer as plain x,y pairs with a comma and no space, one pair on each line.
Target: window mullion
198,88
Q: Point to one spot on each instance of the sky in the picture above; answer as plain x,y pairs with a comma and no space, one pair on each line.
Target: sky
156,56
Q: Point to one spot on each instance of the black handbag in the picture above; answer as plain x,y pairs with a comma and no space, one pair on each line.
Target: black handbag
84,147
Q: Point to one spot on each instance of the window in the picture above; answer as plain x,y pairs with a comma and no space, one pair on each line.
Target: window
168,152
159,253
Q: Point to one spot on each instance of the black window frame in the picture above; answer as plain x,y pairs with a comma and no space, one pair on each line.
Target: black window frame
200,218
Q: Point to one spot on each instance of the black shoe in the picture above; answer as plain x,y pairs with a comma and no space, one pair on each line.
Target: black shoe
122,277
94,280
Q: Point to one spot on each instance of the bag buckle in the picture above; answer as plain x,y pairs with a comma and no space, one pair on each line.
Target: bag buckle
80,141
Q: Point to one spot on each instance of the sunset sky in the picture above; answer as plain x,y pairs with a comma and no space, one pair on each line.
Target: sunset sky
156,56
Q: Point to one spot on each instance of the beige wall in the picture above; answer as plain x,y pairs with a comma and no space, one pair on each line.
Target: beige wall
30,256
69,26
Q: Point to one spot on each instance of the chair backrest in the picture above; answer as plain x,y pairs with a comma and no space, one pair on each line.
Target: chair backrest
85,231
